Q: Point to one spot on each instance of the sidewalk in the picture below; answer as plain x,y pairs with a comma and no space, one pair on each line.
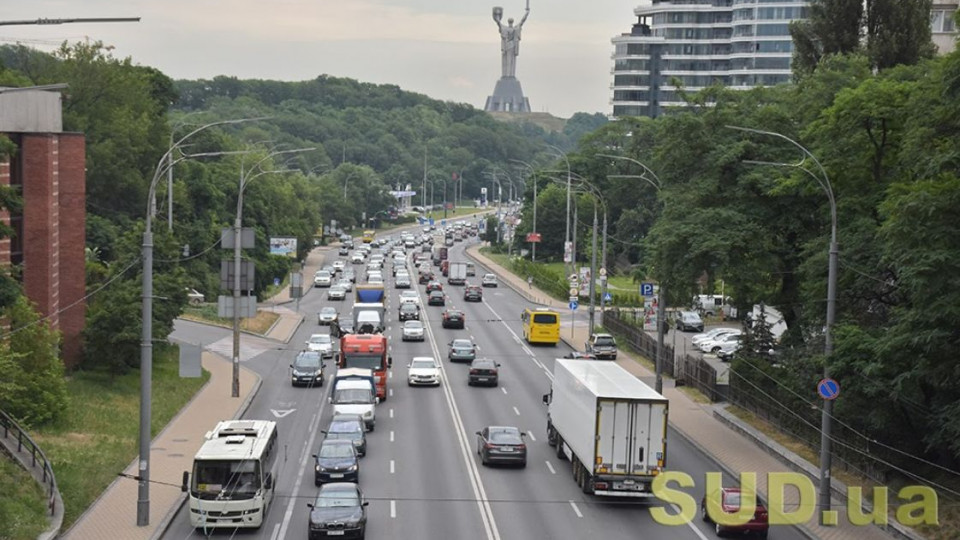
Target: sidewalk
114,513
696,422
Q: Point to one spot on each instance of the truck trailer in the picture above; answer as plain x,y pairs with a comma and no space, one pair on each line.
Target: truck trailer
610,425
457,273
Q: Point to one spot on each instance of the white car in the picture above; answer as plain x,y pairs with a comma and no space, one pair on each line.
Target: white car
321,343
489,280
357,258
375,278
194,297
327,316
412,297
322,279
339,265
346,284
412,331
711,335
423,370
714,345
337,292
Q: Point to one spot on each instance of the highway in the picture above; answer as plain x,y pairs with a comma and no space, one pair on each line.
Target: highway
422,474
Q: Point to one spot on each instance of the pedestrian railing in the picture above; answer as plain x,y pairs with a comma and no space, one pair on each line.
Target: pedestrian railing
12,430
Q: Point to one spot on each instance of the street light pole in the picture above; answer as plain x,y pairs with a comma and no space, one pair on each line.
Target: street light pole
593,267
567,234
826,413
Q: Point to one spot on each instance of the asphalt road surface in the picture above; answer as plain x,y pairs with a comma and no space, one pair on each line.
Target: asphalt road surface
422,474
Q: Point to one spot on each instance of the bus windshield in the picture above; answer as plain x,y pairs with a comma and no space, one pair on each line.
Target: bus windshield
364,361
226,479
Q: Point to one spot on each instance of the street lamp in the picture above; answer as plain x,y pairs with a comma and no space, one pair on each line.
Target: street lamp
566,241
827,409
533,173
662,300
146,336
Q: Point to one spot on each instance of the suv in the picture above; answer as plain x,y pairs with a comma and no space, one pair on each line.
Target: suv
602,347
473,293
689,320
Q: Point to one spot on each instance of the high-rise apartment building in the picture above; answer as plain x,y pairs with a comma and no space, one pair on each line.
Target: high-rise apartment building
687,45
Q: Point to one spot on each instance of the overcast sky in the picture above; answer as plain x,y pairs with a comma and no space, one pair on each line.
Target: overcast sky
447,49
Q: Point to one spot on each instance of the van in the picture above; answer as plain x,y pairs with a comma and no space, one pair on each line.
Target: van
471,269
356,396
713,304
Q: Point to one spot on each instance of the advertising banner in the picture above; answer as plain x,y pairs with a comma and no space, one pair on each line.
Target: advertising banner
283,245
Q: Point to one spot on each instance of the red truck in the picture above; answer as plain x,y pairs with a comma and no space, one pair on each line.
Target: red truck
367,351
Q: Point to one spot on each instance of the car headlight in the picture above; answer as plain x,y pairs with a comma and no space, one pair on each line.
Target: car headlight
319,372
317,468
368,414
351,468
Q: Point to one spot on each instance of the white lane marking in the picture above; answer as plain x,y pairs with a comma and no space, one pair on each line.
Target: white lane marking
303,465
532,438
276,529
550,466
503,389
391,412
517,338
690,523
391,436
391,392
575,509
392,468
393,509
516,410
390,375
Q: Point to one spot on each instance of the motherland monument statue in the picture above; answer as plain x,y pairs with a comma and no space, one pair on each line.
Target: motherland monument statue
507,94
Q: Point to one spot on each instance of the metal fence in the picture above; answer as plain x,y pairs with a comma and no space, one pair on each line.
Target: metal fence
38,459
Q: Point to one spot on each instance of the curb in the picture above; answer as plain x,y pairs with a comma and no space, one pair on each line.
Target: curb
798,464
168,517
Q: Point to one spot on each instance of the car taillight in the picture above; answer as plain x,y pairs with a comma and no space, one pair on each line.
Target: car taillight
474,371
600,485
522,447
488,446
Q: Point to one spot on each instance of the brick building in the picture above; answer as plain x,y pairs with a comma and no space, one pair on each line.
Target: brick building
48,170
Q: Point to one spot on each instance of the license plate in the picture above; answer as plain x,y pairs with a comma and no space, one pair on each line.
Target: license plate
336,475
484,379
506,449
334,533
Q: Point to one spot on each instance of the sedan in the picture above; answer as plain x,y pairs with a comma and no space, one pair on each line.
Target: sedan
357,258
345,283
412,331
489,280
484,371
350,275
337,461
327,315
462,350
409,312
436,298
728,500
348,427
339,265
711,334
434,286
453,318
689,320
322,278
426,278
340,510
402,281
343,251
337,292
409,297
502,444
472,293
321,343
714,345
423,370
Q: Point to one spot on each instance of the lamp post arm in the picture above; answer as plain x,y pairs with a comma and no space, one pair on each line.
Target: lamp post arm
658,185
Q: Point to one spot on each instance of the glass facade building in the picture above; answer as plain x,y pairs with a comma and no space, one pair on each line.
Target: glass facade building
687,45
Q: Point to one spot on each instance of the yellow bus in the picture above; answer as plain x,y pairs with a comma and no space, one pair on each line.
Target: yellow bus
541,325
368,236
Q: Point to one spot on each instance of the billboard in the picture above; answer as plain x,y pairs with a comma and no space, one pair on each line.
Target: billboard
283,245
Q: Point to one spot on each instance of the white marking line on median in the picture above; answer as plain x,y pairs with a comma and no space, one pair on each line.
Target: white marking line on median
516,410
276,530
576,510
690,523
391,436
391,392
390,375
392,468
550,466
504,390
393,509
391,412
532,438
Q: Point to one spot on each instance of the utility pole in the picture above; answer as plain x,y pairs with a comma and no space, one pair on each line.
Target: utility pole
444,197
593,267
534,247
603,264
424,178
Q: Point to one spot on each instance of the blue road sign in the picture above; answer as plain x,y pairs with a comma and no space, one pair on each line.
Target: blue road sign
443,222
574,305
431,221
828,389
607,297
646,289
276,282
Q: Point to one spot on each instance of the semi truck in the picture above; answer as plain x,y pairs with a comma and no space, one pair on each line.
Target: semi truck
367,351
610,425
457,273
438,253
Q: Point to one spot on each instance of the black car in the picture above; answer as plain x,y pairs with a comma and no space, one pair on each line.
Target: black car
340,510
307,369
473,293
484,371
453,318
348,427
337,461
436,298
426,277
409,312
502,444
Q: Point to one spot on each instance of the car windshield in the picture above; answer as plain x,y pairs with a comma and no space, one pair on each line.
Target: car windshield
504,436
363,361
462,344
605,340
336,451
413,325
423,364
307,361
337,499
328,311
436,294
321,339
344,427
408,307
226,479
483,364
348,396
732,499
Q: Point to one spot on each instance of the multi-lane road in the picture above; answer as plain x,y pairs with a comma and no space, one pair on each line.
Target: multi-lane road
422,474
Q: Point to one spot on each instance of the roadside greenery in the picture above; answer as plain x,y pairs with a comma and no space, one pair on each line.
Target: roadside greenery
23,507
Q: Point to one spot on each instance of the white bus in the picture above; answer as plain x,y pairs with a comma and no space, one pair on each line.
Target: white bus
232,481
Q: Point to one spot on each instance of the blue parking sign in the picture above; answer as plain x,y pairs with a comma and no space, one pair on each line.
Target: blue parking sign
646,289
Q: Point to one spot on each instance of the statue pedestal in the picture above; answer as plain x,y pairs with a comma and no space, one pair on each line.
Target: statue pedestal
507,97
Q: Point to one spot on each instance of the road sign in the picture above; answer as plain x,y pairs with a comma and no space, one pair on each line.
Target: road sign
574,305
603,271
443,222
431,221
276,282
828,389
574,292
607,297
533,237
646,289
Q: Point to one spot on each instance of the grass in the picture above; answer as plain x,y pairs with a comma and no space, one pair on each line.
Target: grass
23,506
207,313
97,436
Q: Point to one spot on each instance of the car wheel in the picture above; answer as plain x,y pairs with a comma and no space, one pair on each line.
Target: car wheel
719,530
714,350
763,535
560,455
703,513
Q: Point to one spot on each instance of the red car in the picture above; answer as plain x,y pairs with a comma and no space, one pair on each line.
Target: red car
729,498
434,286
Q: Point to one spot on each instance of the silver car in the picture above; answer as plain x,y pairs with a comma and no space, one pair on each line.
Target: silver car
412,331
337,292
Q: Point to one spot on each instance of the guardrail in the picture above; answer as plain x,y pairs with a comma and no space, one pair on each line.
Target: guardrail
23,439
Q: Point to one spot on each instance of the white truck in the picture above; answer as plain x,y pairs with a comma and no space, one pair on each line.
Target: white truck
355,395
368,318
610,425
457,273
